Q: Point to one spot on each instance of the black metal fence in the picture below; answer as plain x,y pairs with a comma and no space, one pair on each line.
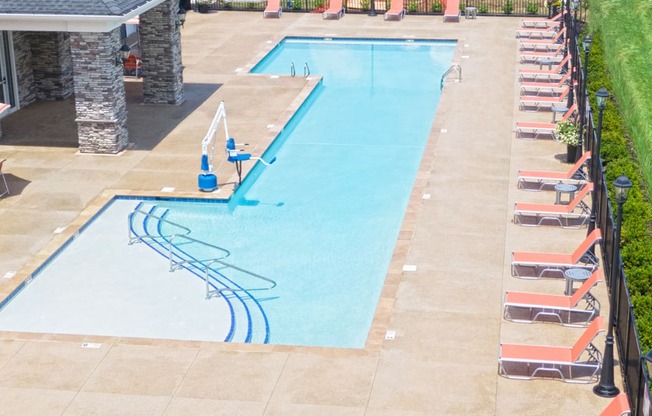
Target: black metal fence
632,364
423,7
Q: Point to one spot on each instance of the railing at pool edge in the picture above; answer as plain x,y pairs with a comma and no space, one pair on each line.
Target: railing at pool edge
218,292
448,71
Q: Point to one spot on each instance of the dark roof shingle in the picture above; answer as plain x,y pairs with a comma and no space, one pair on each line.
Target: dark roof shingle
70,7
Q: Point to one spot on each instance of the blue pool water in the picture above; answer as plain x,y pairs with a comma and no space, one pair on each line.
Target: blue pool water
323,220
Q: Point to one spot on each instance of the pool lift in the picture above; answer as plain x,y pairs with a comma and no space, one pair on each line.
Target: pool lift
207,179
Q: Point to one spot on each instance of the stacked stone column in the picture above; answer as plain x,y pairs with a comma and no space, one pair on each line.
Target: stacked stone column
160,41
99,92
52,65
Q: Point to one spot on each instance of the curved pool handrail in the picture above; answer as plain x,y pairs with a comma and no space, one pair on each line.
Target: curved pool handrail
175,265
149,214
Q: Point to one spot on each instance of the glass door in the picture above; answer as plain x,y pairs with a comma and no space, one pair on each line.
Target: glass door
7,71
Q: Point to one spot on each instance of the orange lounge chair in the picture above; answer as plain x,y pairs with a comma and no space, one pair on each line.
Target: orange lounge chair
527,265
538,307
536,102
534,129
2,175
546,87
536,33
543,22
335,9
4,107
452,10
273,9
535,74
619,406
573,215
545,44
577,364
535,57
396,10
536,180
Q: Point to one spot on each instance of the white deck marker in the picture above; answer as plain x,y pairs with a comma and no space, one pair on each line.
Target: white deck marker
91,345
390,335
443,131
410,268
466,45
167,189
465,56
59,230
426,196
9,274
270,126
238,70
274,76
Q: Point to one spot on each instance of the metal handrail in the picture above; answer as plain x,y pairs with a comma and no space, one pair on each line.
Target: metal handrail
448,71
175,265
133,239
218,292
306,70
293,71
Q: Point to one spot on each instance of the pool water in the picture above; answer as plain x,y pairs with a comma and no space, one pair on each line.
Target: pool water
322,222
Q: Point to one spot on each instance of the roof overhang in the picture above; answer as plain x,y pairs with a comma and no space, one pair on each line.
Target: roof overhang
69,23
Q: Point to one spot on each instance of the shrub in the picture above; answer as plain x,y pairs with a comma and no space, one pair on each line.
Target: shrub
508,7
364,4
436,6
413,7
483,8
319,4
297,4
532,8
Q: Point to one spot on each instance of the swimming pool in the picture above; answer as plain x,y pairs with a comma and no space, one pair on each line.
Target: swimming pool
321,222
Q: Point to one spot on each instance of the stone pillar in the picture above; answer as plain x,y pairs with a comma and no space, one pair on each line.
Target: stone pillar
160,42
52,65
24,72
99,92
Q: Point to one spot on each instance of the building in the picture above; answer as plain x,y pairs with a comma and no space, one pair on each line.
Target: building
53,49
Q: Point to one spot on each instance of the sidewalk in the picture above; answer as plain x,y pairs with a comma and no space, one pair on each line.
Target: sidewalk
447,315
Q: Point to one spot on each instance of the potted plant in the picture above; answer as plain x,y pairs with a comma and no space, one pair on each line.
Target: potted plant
566,132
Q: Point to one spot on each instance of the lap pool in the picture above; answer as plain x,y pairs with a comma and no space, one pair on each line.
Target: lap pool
321,223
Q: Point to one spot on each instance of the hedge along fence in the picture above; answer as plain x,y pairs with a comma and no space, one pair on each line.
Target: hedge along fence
619,154
486,7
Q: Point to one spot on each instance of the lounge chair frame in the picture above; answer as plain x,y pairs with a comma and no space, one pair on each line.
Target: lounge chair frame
540,129
4,180
573,215
538,180
396,11
552,265
577,310
619,406
578,364
335,9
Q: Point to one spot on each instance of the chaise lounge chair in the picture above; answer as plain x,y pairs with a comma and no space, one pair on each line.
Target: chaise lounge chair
545,44
536,33
545,87
577,364
335,9
573,215
536,57
537,180
452,10
543,22
619,406
535,129
527,265
536,102
535,74
538,307
4,180
396,11
273,9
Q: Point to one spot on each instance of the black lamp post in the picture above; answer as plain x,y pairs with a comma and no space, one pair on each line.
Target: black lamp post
572,37
372,8
601,97
606,387
125,51
586,45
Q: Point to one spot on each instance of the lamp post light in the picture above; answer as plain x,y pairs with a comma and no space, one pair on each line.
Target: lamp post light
586,45
606,387
601,97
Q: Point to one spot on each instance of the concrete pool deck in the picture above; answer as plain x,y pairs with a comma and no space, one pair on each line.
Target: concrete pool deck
446,315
